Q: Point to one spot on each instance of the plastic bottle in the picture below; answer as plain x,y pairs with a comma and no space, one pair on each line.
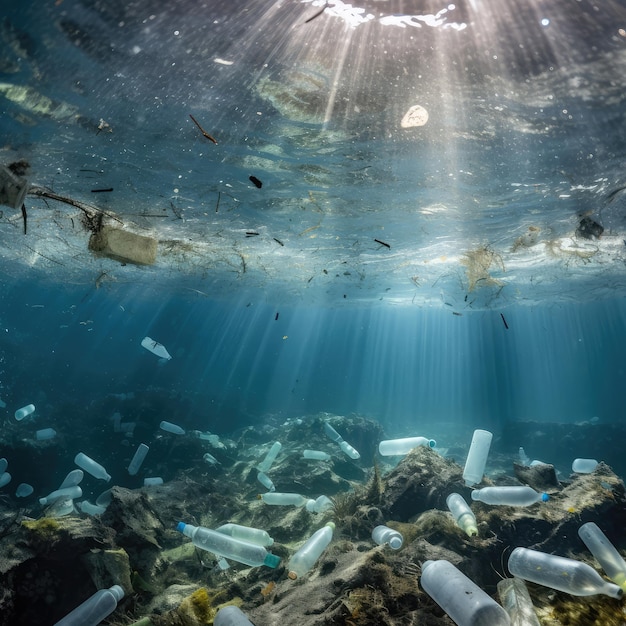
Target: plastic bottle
73,478
345,447
45,433
246,533
348,450
397,447
516,601
384,535
91,509
283,499
168,427
523,457
462,513
316,455
24,490
91,467
266,481
560,573
5,479
227,546
69,493
20,414
93,610
604,551
509,496
140,455
319,505
306,557
153,481
3,465
464,601
231,616
477,457
270,457
584,466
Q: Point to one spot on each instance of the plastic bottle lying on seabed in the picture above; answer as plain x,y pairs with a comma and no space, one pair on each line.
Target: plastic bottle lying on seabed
345,447
560,573
462,513
306,556
509,496
604,551
516,601
464,601
246,533
384,535
280,498
231,616
93,610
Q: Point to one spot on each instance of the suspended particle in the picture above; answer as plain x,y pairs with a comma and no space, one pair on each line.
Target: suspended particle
416,116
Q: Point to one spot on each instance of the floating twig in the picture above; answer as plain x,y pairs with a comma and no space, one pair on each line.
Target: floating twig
382,243
505,324
251,233
317,14
195,121
217,204
278,241
24,216
107,190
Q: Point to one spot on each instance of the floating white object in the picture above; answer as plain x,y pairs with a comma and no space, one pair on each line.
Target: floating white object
72,479
3,465
140,455
23,490
20,414
156,348
584,466
154,481
45,433
5,479
168,427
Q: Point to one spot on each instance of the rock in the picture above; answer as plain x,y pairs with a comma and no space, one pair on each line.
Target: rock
540,477
109,567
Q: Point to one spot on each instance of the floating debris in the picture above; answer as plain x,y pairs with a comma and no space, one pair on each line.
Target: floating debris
256,182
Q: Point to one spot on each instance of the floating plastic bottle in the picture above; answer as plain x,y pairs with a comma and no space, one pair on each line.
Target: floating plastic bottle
516,602
140,455
477,457
604,551
266,481
247,533
231,616
67,493
24,490
315,455
152,481
5,479
91,509
278,498
45,434
230,548
584,466
509,496
156,348
73,478
398,447
462,513
560,573
308,554
524,459
3,465
91,467
93,610
464,601
270,457
319,505
20,414
210,459
174,429
345,447
384,535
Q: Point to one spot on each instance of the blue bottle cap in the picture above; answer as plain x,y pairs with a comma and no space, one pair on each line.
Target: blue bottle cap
271,560
545,497
181,526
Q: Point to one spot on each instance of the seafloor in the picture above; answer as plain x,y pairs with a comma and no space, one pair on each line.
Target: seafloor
48,565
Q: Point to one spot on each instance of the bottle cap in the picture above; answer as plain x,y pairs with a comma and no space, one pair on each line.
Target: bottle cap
432,443
545,497
117,591
181,527
271,560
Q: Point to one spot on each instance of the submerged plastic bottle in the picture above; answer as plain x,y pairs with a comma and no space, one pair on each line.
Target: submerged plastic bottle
509,496
138,459
561,573
69,493
5,479
516,601
462,513
306,557
345,447
477,457
227,546
464,601
266,481
604,551
231,616
168,427
246,533
91,467
20,414
270,457
93,610
393,447
384,535
316,455
319,505
584,466
283,499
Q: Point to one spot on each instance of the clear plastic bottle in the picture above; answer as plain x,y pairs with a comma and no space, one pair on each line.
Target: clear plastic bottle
231,616
344,446
270,457
20,414
462,513
397,447
558,572
5,479
45,434
509,496
464,601
95,609
477,457
230,548
24,490
584,466
604,551
306,557
91,467
283,499
384,535
168,427
246,533
152,481
516,601
138,459
319,505
266,481
67,492
316,455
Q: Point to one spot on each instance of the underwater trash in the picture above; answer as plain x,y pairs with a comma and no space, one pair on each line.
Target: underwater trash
278,498
210,459
91,509
5,479
61,507
45,433
24,490
3,404
138,458
256,182
416,116
306,556
319,505
93,610
73,478
477,457
345,447
104,499
397,447
67,493
156,348
153,481
3,465
168,427
509,496
462,599
462,513
584,466
123,245
270,457
524,459
230,548
20,414
516,601
604,551
246,533
315,455
266,481
560,573
91,467
231,616
384,535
